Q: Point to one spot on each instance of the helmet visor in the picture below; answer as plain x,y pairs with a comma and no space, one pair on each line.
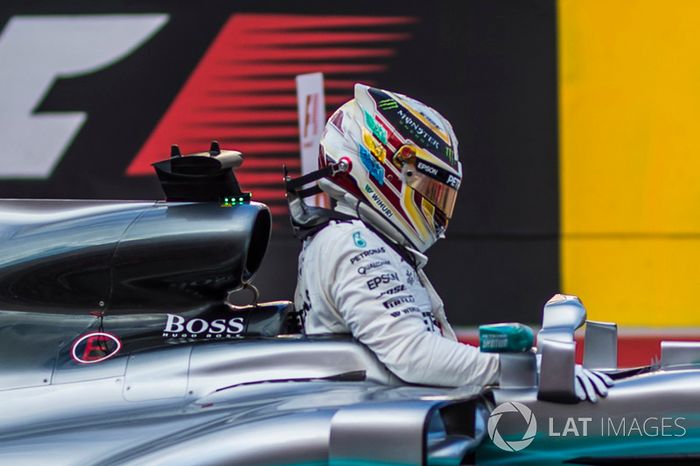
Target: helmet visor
432,182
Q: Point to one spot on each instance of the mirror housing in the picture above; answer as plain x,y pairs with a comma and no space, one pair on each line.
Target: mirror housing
561,316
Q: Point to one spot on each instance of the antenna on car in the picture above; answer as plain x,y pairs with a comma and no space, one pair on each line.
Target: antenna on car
214,149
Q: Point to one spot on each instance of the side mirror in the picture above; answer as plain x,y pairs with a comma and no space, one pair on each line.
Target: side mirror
562,315
600,346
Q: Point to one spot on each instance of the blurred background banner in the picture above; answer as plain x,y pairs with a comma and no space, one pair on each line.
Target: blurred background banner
576,123
630,158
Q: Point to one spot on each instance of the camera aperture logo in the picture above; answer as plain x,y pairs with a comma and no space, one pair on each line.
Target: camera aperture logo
528,416
519,435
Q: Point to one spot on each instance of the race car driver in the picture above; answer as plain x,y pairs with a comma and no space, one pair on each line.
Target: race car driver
362,272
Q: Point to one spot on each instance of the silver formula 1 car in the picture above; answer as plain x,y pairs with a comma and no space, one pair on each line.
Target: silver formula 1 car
118,346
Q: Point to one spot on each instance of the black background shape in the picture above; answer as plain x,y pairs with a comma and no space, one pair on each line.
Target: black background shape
488,65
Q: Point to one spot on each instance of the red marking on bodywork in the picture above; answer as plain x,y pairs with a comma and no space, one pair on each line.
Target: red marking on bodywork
95,347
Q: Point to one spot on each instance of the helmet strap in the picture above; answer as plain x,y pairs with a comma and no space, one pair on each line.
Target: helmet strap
308,220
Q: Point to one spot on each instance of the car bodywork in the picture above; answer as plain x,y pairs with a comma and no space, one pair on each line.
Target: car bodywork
118,346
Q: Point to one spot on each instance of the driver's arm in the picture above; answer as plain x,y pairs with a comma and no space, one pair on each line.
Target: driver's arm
398,335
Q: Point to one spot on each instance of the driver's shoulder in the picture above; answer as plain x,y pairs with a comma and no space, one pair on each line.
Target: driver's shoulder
351,234
348,242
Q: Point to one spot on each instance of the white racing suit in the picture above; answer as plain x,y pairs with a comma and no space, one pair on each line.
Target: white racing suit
351,281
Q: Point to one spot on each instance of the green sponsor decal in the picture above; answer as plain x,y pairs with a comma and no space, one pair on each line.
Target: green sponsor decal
388,104
505,338
449,153
377,129
359,240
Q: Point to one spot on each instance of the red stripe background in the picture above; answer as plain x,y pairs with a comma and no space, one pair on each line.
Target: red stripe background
243,94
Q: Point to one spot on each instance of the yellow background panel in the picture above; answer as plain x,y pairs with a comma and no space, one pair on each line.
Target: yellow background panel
629,83
635,281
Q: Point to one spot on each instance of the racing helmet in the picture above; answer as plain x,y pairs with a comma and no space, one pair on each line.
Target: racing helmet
403,164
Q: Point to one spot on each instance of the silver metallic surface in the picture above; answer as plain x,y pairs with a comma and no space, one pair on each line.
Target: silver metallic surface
562,315
401,426
230,364
117,257
257,401
615,424
272,401
679,353
649,416
518,370
68,269
157,375
600,345
557,376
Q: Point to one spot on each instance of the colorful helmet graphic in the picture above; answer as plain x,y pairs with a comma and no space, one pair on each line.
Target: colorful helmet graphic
403,158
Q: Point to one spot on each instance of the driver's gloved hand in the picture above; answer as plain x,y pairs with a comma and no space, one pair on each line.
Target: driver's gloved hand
590,384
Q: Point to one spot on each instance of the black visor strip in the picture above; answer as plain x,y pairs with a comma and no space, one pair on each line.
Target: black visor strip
437,173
